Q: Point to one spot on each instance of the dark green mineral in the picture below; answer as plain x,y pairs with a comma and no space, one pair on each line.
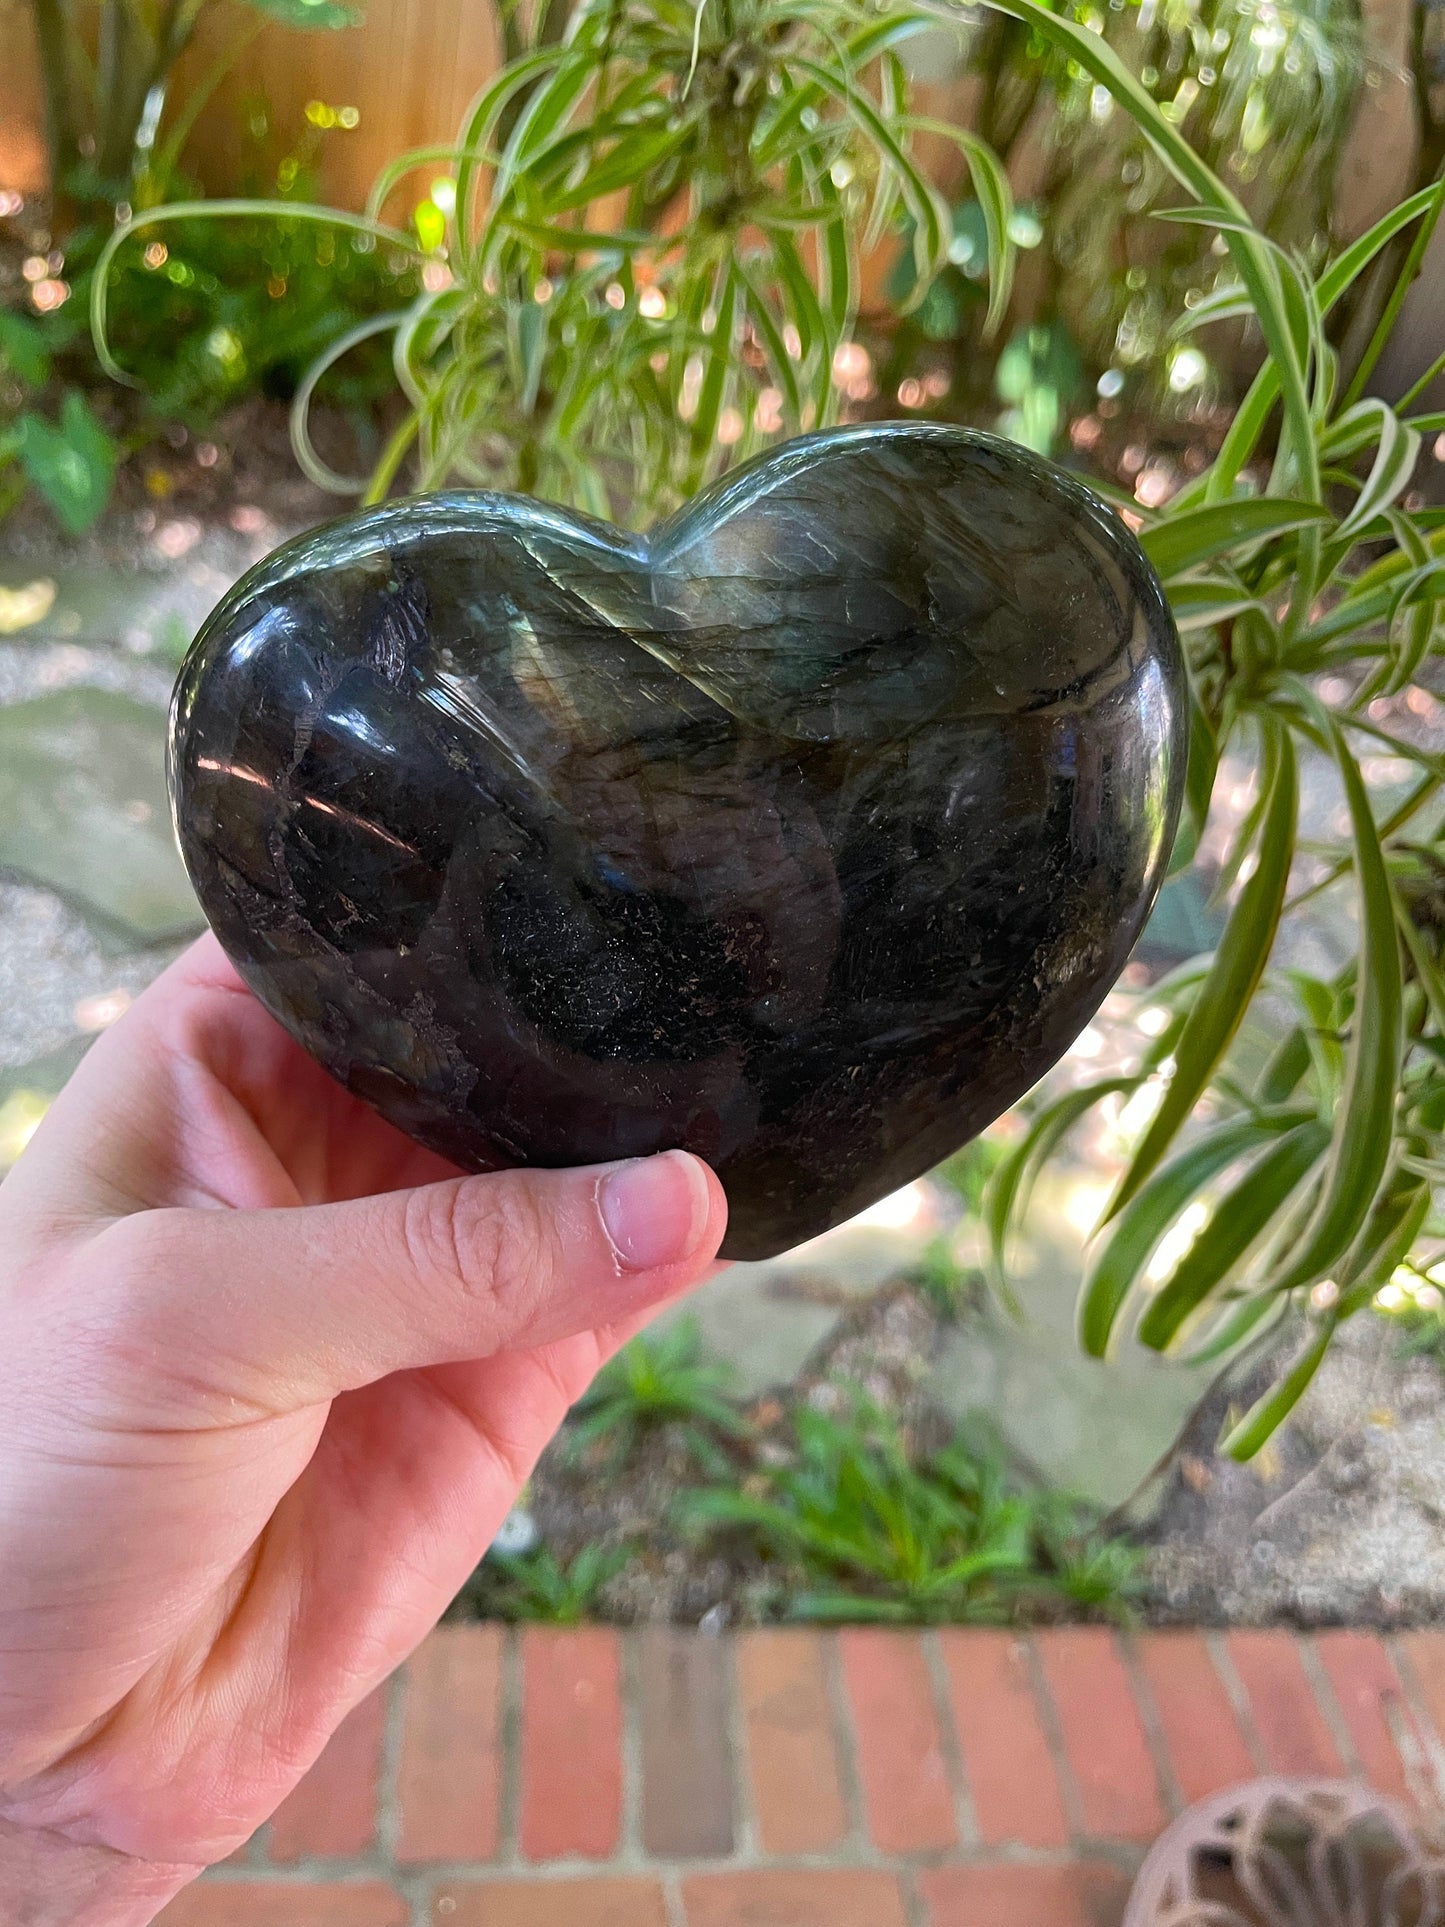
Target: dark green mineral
806,832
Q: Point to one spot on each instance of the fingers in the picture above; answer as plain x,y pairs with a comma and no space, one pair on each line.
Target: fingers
284,1308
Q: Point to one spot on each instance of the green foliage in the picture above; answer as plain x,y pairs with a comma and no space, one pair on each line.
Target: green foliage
195,321
658,1381
218,311
537,1585
951,1288
1263,99
648,258
67,457
24,353
224,309
966,1174
308,15
1039,379
1307,1181
875,1532
70,461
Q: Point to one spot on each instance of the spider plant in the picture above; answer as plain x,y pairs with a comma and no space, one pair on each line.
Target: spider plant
1307,580
643,248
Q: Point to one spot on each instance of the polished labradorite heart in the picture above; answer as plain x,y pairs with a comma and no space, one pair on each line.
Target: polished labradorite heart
806,832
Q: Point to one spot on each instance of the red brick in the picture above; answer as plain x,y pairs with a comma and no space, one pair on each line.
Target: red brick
1293,1733
550,1903
331,1815
1425,1658
1104,1739
1011,1774
447,1776
839,1897
906,1794
687,1769
1370,1697
571,1742
1201,1733
1011,1896
793,1769
285,1903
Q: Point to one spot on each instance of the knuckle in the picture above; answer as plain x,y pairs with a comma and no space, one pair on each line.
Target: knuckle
486,1238
430,1235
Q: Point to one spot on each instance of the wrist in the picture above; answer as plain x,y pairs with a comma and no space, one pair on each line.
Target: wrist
48,1880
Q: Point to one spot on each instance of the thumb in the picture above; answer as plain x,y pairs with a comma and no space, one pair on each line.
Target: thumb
292,1306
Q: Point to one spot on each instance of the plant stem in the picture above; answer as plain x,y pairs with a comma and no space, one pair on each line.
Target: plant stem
119,90
198,98
53,34
384,474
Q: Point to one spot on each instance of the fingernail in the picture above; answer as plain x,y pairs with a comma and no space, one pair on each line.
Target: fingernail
654,1210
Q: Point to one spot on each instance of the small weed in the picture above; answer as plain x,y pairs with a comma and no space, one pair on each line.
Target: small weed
876,1533
537,1585
967,1172
655,1382
951,1288
1419,1333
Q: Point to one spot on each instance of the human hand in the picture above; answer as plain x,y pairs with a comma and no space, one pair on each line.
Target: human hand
270,1377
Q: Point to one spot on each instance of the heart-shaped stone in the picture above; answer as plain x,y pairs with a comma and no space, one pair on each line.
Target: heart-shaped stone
806,833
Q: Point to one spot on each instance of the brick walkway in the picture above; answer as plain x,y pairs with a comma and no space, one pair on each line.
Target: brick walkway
794,1779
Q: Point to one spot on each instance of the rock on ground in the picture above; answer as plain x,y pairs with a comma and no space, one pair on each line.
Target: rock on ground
1340,1518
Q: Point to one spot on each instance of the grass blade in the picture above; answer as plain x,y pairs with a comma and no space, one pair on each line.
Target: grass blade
994,194
716,375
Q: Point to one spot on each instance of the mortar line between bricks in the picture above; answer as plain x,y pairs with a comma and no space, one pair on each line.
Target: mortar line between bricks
630,1852
319,1872
746,1832
914,1912
964,1817
419,1889
1233,1686
509,1743
843,1742
672,1904
1431,1791
1171,1794
416,1890
1334,1719
1053,1731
